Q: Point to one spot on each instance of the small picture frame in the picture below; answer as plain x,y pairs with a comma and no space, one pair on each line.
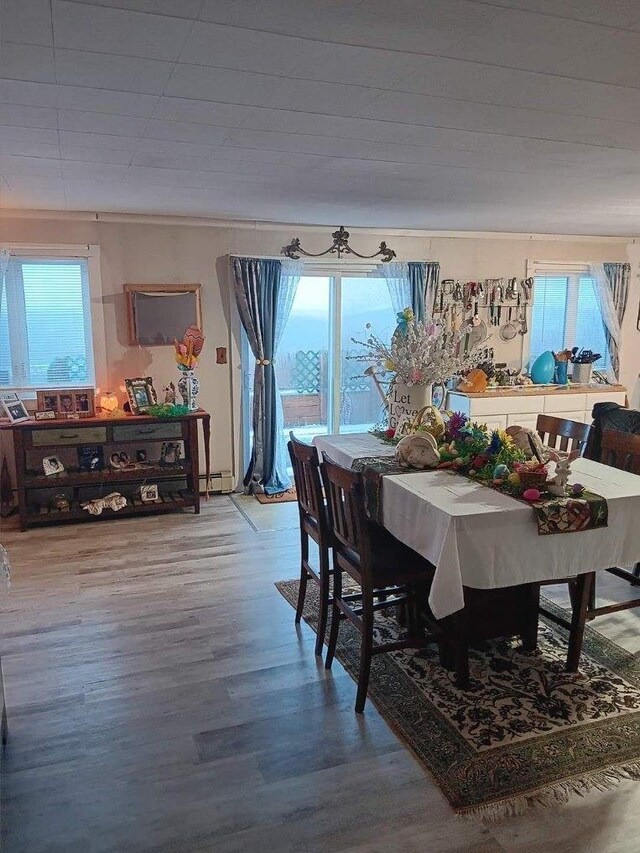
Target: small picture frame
141,394
52,465
14,407
170,453
149,493
119,460
67,402
44,416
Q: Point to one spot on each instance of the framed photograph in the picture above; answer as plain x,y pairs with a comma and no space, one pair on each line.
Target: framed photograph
91,457
52,465
67,402
159,313
149,494
120,460
141,394
170,453
14,407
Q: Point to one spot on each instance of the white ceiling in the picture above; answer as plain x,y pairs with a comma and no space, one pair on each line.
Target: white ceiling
508,115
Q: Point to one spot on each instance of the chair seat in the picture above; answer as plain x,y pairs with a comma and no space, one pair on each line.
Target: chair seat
393,562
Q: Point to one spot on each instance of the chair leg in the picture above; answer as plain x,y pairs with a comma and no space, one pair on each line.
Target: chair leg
304,574
530,634
335,617
366,649
461,651
325,578
584,586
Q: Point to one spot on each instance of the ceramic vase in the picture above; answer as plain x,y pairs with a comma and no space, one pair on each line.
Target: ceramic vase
188,386
543,368
406,400
560,377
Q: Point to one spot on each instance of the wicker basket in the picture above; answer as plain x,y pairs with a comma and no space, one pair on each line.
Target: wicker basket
533,479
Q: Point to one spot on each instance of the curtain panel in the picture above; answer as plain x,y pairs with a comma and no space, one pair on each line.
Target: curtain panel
612,291
264,297
411,284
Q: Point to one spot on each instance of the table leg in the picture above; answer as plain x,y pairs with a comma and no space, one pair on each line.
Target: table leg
206,429
582,593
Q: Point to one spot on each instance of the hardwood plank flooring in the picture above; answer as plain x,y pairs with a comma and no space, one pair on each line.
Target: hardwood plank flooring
161,699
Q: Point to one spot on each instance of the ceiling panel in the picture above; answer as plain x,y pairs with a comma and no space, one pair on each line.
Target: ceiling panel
503,114
126,74
106,30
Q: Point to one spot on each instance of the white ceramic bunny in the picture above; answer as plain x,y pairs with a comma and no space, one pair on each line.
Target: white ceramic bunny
419,450
558,484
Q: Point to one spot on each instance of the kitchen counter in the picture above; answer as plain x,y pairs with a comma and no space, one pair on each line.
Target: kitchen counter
503,407
536,390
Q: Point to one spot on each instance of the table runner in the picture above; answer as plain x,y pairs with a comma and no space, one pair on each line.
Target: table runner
481,538
552,515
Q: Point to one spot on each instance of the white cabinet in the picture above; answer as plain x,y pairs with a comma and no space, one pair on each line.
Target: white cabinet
499,410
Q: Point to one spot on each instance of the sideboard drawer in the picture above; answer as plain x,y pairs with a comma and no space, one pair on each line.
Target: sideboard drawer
69,435
506,405
564,401
147,432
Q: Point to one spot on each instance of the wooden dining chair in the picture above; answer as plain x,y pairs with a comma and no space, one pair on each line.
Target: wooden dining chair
388,573
562,434
620,450
314,524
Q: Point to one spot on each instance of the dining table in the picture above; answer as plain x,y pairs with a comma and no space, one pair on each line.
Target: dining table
480,538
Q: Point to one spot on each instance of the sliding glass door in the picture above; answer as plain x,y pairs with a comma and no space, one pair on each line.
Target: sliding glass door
322,389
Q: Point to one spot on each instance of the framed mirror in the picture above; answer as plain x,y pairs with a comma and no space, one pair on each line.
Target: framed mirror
160,313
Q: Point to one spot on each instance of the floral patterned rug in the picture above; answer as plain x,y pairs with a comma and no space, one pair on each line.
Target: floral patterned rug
526,732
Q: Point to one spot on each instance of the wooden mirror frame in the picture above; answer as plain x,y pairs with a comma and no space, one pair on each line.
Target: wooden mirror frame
164,289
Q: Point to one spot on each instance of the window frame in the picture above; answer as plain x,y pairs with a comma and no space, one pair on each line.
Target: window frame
72,251
573,271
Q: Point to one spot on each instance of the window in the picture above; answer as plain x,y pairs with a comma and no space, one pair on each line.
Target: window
46,336
566,314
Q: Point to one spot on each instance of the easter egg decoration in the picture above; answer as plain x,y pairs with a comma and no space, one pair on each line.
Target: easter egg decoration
194,334
531,495
543,368
500,471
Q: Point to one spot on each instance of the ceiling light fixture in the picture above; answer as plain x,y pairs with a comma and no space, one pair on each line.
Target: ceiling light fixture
340,247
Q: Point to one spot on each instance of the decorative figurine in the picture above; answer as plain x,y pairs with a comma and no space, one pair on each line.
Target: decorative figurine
417,451
558,484
170,394
114,501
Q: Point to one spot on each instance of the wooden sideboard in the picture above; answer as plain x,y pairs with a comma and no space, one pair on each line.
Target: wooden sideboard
178,482
500,408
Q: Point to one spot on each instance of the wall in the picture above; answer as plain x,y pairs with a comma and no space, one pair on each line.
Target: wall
157,253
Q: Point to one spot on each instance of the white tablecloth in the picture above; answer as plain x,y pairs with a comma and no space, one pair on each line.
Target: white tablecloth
478,537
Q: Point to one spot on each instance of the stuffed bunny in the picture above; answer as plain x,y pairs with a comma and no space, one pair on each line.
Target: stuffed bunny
419,450
558,484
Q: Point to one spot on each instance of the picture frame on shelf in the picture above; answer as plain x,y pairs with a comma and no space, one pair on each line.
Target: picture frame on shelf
170,453
52,465
90,457
149,493
13,407
67,402
141,394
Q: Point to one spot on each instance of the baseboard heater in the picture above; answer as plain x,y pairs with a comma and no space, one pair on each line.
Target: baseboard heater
222,482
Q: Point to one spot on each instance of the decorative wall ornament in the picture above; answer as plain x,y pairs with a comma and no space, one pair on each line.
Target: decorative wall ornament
339,247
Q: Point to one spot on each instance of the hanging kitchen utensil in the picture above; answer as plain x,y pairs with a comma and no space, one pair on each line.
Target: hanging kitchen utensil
477,335
509,330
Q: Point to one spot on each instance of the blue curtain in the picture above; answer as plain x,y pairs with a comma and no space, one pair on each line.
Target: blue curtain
411,284
264,295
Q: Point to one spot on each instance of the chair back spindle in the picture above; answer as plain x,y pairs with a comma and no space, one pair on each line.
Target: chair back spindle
306,476
561,434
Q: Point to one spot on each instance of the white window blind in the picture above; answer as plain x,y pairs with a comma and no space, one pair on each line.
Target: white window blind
45,324
565,314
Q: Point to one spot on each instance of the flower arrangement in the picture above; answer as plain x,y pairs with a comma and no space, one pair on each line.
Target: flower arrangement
189,348
421,352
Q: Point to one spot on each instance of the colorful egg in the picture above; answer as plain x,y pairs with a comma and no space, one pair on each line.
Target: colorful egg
577,489
196,337
531,495
500,471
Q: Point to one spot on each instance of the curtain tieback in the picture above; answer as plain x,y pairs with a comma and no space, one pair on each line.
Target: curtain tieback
262,361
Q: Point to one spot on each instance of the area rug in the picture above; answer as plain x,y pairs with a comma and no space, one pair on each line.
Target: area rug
525,734
279,498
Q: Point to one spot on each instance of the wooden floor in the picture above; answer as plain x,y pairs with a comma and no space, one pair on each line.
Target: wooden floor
160,699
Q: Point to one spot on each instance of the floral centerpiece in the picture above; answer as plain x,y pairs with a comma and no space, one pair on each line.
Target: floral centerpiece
186,354
421,353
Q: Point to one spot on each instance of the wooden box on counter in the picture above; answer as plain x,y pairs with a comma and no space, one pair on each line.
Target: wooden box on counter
178,483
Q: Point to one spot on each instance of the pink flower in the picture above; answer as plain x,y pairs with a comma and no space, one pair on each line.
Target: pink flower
415,376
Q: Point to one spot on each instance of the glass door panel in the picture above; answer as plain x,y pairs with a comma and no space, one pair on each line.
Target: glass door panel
363,300
302,362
